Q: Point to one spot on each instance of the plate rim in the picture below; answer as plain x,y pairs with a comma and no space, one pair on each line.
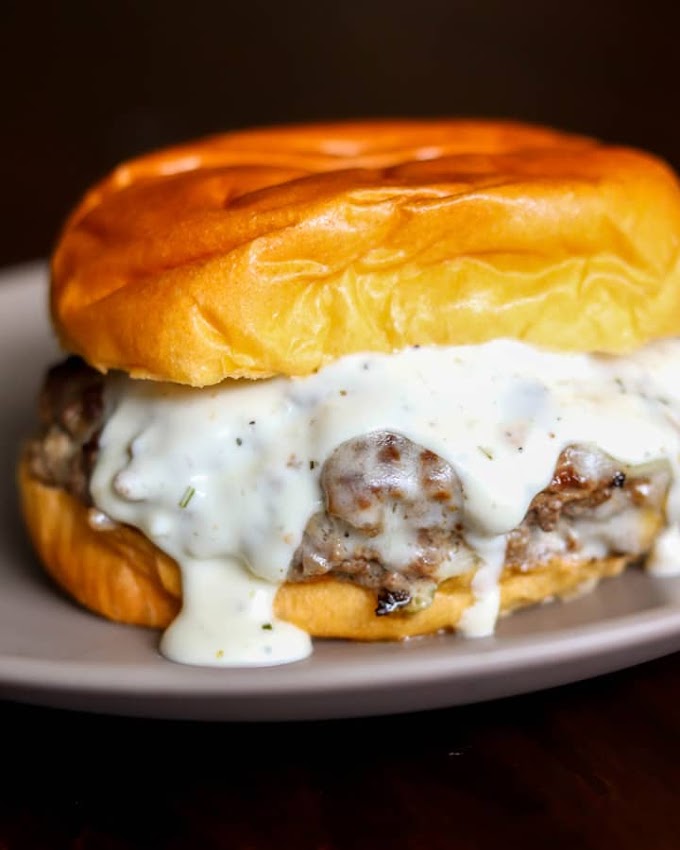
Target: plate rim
650,633
618,633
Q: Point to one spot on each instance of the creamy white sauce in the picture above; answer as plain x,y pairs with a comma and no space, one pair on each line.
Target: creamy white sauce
665,557
224,479
226,619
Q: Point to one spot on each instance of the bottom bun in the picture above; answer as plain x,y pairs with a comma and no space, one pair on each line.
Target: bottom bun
118,573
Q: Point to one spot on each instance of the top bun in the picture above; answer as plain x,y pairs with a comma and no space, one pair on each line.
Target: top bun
274,251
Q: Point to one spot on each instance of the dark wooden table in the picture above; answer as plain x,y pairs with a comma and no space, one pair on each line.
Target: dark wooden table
593,765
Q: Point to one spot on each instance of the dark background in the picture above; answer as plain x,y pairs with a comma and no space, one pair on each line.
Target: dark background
86,84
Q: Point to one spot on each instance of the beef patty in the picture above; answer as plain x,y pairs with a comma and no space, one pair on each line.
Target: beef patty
383,493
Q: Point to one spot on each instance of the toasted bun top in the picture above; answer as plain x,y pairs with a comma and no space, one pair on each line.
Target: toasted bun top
273,251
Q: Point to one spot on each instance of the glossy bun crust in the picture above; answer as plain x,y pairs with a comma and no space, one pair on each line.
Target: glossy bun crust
276,250
120,574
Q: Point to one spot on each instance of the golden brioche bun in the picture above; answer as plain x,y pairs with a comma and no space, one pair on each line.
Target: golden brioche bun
277,250
120,574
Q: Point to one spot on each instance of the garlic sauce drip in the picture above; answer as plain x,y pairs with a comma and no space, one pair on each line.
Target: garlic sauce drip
224,479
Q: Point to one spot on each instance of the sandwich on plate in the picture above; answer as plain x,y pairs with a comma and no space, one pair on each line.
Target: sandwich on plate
363,380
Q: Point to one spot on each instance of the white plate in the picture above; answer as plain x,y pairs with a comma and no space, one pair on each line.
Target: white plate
53,653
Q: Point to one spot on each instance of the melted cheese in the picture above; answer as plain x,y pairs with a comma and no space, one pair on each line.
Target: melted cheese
224,479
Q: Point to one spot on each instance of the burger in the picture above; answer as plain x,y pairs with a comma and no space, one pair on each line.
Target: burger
363,380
